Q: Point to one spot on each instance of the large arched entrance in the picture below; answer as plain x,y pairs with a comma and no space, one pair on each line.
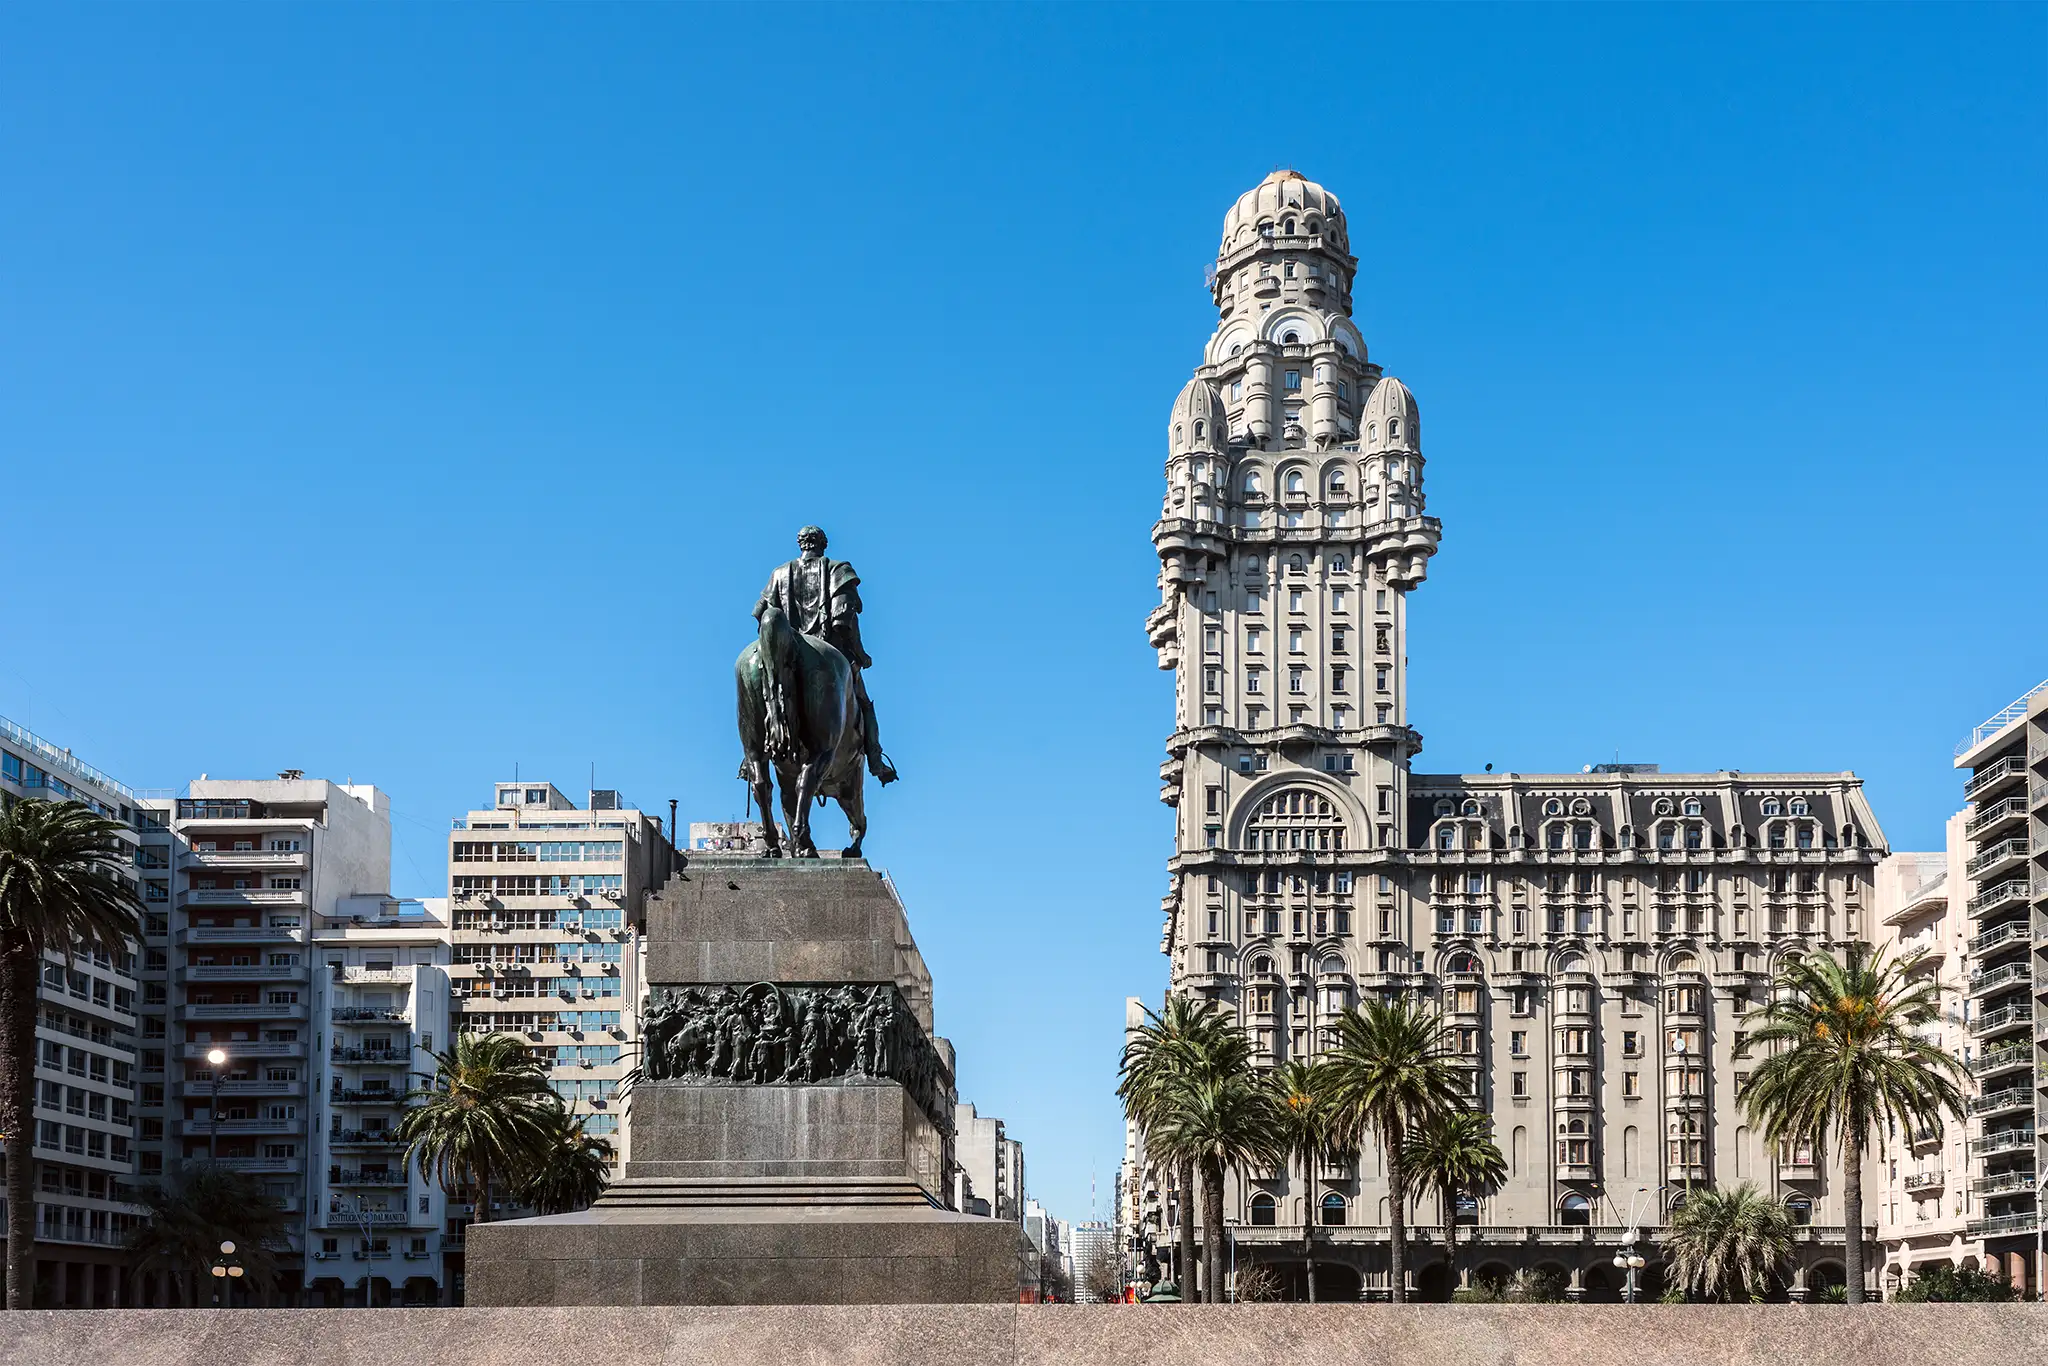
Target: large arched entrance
1433,1283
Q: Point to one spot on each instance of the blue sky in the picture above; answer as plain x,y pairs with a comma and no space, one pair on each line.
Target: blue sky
410,393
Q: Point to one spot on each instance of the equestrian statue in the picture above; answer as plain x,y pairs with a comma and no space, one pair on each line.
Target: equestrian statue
806,722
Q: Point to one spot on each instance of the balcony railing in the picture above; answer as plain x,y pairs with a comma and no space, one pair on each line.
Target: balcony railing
201,1127
371,1055
246,858
2001,1059
2011,1017
363,1138
244,972
247,1010
2012,1098
2001,852
2006,1183
2004,1224
348,1096
1924,1181
349,1176
2005,1141
1981,982
1996,814
246,896
237,1050
262,1164
2011,892
239,934
1998,936
1991,775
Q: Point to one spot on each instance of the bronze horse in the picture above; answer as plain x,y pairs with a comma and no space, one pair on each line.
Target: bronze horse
800,724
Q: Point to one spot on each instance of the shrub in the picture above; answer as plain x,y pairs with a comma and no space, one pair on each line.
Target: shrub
1953,1285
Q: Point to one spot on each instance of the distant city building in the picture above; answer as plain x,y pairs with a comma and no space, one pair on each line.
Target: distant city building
729,837
1593,937
380,989
1094,1245
2004,897
85,1064
1926,1203
544,898
259,863
991,1166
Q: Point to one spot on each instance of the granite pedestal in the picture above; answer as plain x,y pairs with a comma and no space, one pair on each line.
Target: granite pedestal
791,1141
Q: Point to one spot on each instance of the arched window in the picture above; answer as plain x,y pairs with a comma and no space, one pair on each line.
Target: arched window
1333,1210
1463,963
1287,226
1295,483
1576,1211
1297,818
1198,431
1332,966
1801,1210
1291,339
1296,565
1443,807
1372,431
1251,482
1553,807
1571,960
1447,836
1338,564
1337,488
1261,966
1176,433
1466,1211
1663,806
1692,804
1393,429
1471,808
1262,1210
1684,961
1772,807
1799,807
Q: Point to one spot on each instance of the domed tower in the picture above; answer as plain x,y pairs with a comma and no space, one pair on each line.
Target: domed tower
1292,532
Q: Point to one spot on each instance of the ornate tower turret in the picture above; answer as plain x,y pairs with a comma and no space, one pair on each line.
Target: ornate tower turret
1292,531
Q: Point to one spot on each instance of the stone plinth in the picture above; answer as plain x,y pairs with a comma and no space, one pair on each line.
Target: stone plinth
791,1141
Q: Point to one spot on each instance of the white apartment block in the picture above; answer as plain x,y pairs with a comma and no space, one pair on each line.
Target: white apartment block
1925,1202
991,1166
545,898
2004,895
376,1230
1594,937
85,1061
256,866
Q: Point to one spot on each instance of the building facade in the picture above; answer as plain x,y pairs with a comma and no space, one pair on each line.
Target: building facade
1927,1204
86,1055
1593,937
2004,839
255,867
376,1230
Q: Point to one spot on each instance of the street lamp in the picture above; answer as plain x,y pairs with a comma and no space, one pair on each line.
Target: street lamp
216,1058
1630,1261
225,1272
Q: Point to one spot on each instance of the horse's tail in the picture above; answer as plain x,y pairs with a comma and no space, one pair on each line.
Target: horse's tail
778,674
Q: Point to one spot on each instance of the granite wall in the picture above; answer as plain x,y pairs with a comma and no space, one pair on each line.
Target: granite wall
1003,1335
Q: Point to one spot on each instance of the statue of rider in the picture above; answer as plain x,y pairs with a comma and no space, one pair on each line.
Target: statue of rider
821,598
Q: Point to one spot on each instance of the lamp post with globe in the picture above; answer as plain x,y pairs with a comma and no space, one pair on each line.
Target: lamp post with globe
225,1271
216,1058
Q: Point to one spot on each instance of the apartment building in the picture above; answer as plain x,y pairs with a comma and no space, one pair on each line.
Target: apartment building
545,900
990,1176
85,1066
1594,937
375,1229
2004,838
256,866
1923,1196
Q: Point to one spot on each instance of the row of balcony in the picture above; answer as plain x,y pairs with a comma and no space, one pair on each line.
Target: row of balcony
1996,855
2003,1224
2006,1183
242,972
1998,936
2011,892
1923,1181
2010,1017
2009,974
2012,1098
1996,815
1993,776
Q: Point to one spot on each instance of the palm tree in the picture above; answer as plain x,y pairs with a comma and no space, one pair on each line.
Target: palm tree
571,1171
1390,1078
1455,1155
1220,1123
59,894
1849,1060
486,1111
1729,1245
1176,1046
1301,1090
200,1206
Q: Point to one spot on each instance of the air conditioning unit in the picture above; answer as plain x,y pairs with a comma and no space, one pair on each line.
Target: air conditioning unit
573,970
612,969
533,1033
585,1063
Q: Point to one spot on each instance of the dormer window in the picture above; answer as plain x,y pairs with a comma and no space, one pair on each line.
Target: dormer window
1663,806
1773,808
1799,807
1393,429
1692,806
1292,339
1553,807
1198,431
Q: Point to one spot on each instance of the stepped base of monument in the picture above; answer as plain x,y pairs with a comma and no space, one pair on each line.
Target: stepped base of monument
761,1193
749,1242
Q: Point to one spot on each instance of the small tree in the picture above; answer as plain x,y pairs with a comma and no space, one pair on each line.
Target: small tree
1104,1281
192,1212
1729,1245
1947,1284
1257,1283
